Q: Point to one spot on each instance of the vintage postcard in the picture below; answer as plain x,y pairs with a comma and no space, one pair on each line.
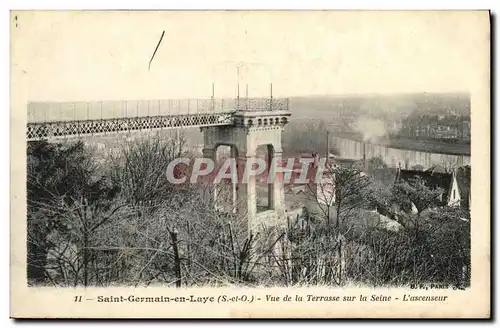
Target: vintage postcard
250,164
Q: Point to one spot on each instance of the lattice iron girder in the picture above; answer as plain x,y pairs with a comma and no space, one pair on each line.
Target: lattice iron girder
48,130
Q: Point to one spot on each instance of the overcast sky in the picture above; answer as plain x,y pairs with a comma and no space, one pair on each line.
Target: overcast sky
105,55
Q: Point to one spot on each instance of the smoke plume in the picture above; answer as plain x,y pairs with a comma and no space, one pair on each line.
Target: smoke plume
370,128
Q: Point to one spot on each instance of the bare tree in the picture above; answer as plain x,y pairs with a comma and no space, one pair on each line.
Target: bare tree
140,169
132,227
66,198
350,184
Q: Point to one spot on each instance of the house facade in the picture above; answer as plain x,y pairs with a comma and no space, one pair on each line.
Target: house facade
455,184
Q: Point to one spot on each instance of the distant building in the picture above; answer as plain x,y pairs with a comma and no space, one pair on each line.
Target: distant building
455,185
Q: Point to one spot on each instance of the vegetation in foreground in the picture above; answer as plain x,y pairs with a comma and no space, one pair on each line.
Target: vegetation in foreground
122,223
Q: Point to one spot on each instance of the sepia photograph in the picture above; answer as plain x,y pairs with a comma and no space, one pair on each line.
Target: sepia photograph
261,163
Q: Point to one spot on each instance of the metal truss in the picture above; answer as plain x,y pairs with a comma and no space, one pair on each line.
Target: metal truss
51,130
59,120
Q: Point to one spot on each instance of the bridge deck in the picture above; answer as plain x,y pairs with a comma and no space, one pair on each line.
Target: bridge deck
56,120
51,130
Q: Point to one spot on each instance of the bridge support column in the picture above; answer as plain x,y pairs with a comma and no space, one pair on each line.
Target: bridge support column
234,156
211,153
246,194
276,186
251,129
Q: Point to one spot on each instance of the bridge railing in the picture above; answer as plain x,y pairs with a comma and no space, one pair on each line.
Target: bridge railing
262,104
97,110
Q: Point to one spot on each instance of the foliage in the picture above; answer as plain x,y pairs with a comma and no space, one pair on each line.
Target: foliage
432,246
132,227
380,172
437,249
140,169
378,196
418,167
416,192
66,199
350,185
